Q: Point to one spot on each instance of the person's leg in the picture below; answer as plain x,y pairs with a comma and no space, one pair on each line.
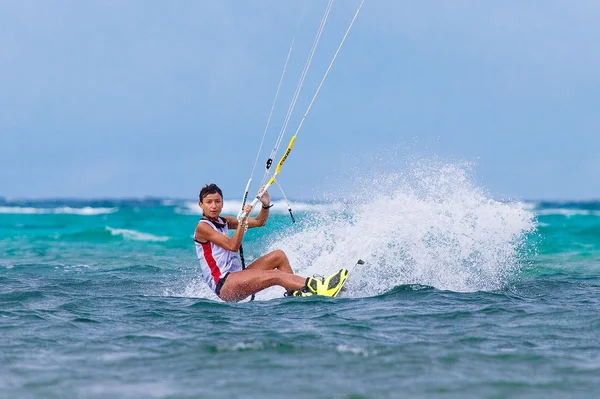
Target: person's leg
273,260
240,285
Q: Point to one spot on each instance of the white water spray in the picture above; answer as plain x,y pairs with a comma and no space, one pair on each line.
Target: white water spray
432,226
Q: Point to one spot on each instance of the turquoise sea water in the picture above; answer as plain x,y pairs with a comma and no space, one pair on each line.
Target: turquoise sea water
460,296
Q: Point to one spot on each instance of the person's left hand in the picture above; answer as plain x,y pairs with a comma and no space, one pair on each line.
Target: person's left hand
265,198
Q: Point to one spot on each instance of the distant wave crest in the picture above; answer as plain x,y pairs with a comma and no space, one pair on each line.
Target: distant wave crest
566,212
63,210
136,235
231,207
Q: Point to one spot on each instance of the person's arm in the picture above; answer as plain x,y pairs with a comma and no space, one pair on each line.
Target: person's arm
206,233
261,219
258,221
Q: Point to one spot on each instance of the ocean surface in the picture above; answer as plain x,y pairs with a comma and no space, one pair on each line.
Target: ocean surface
460,296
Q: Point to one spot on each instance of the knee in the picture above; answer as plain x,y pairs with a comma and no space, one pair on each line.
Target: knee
279,255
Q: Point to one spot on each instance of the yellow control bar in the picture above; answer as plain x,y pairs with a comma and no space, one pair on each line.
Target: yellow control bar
281,161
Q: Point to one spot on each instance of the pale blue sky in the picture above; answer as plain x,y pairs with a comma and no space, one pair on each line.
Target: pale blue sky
135,98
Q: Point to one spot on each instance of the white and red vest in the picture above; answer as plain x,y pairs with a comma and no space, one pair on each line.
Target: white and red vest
216,261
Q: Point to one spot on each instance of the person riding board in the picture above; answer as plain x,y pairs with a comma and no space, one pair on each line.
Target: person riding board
221,268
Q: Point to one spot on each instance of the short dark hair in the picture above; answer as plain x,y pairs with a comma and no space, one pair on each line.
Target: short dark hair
211,188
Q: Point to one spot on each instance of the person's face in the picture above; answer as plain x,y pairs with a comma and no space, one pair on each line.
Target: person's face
212,205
